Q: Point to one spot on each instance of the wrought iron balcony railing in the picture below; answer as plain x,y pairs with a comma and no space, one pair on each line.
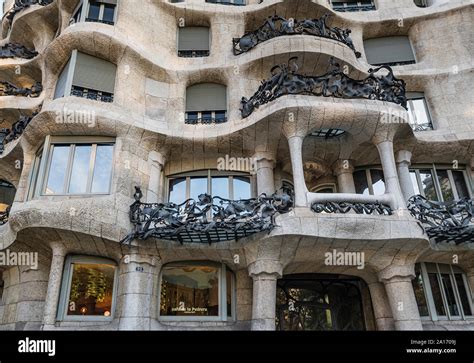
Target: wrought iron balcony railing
208,220
4,216
92,94
20,5
9,89
9,135
445,221
276,26
205,117
15,50
193,53
285,80
346,207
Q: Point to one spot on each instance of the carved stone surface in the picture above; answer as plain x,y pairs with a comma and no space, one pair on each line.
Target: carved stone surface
9,135
23,4
276,26
445,222
13,50
346,207
285,80
208,220
9,89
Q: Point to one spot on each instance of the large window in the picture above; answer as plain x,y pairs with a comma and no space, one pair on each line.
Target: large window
98,11
392,51
440,184
232,186
193,42
88,289
206,103
442,292
63,167
88,77
353,5
197,291
369,182
418,112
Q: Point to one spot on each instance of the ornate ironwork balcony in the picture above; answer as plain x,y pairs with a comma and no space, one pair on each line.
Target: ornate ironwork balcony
346,207
9,89
445,221
208,220
285,80
15,50
9,135
4,216
23,4
276,26
92,94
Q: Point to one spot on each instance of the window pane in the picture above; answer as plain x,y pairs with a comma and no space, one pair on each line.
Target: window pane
109,11
190,291
460,183
103,169
229,292
445,185
463,294
360,181
220,187
378,182
242,189
449,292
419,288
418,112
177,190
427,183
57,170
91,290
414,182
80,169
94,10
436,291
198,187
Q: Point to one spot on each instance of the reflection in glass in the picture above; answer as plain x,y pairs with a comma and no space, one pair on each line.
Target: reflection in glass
414,182
220,187
449,292
91,290
436,291
177,190
57,170
80,169
189,290
418,112
102,169
109,11
242,188
460,183
427,183
198,186
94,11
419,288
463,294
445,185
361,184
378,182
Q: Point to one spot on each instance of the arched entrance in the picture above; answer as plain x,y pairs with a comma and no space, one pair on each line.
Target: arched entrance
319,302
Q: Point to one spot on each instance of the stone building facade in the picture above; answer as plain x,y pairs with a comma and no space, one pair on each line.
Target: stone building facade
100,97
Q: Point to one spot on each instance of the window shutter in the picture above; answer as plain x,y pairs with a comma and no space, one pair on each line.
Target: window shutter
62,81
193,38
388,50
94,73
206,97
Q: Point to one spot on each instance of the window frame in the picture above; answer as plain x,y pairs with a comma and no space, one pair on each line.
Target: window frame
413,114
222,293
42,164
85,12
368,176
61,314
433,315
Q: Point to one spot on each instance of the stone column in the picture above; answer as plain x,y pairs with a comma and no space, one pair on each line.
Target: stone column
344,171
401,297
403,167
265,179
138,274
296,153
156,162
54,285
387,159
382,311
265,274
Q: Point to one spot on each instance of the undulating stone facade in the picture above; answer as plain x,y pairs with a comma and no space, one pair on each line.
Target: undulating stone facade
119,109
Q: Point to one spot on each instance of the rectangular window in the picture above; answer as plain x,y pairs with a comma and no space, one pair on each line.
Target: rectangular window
369,182
418,112
193,42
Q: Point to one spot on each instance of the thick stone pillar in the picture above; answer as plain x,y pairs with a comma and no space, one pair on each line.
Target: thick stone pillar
265,274
54,285
156,162
344,171
138,275
265,179
401,297
382,311
392,184
296,153
403,167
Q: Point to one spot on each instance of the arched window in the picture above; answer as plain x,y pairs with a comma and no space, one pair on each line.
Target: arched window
206,103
